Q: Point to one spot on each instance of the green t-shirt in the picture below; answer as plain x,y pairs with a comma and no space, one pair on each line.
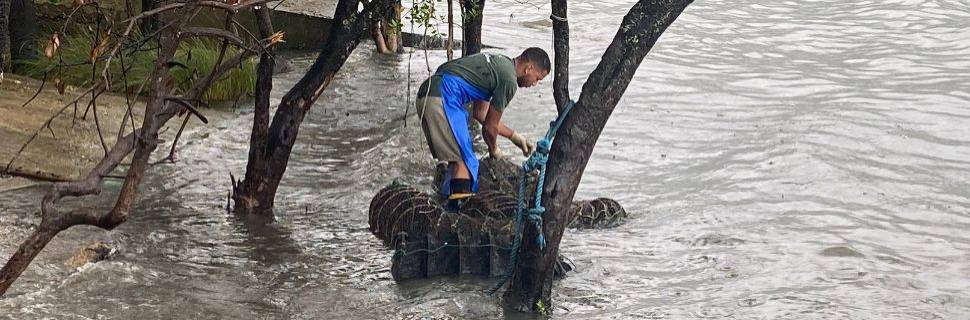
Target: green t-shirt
492,73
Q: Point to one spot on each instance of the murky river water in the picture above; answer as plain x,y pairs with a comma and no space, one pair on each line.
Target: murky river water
781,159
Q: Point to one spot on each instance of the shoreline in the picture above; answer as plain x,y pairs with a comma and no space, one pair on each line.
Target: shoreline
71,145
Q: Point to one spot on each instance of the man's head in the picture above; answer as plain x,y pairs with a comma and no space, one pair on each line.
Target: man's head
531,66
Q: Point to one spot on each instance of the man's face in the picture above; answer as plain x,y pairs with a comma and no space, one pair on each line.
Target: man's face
531,77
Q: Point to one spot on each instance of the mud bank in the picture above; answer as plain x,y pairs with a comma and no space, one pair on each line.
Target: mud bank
71,144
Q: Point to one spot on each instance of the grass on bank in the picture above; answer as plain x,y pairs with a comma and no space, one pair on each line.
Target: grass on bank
195,59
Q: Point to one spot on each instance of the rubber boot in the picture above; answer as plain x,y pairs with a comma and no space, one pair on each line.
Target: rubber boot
461,190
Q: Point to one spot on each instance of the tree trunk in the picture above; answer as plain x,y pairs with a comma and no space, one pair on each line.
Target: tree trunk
24,255
451,32
392,36
253,182
471,13
263,178
23,33
379,33
399,36
4,34
560,44
641,27
148,25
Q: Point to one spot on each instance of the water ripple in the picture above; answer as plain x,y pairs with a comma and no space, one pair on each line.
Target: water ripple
787,159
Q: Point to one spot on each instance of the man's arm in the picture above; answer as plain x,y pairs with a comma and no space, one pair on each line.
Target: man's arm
491,128
482,109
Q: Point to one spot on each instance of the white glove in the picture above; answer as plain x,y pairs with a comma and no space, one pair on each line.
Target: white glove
497,153
527,146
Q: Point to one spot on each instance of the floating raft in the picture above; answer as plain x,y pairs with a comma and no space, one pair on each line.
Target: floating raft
428,241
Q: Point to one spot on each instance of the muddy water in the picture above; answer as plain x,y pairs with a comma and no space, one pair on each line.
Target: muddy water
782,160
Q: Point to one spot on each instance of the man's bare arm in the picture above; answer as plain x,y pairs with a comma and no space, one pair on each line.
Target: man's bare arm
491,127
482,109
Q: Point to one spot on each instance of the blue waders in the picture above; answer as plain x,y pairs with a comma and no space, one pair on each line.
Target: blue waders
455,94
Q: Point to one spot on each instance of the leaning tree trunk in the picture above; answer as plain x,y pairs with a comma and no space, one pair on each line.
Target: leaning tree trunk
162,105
472,12
531,285
141,142
23,33
256,193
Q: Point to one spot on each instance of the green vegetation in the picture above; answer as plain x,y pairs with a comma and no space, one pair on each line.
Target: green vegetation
194,60
541,308
200,57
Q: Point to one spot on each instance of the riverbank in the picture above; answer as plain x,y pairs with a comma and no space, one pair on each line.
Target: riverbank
71,144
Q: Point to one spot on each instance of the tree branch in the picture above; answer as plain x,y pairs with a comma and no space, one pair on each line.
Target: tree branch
214,33
45,125
560,39
142,142
188,106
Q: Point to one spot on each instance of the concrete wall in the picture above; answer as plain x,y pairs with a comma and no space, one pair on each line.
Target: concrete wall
303,31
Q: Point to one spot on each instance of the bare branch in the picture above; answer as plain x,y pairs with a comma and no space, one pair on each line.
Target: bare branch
196,91
45,125
39,89
188,106
172,152
252,36
222,55
97,122
232,8
215,33
131,25
149,13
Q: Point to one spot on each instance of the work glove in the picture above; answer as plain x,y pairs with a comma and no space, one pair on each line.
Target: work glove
497,153
527,146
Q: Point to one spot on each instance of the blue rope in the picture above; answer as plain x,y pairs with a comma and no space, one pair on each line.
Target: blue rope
537,161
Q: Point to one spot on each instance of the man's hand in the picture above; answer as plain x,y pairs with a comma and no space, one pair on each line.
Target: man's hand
496,153
527,146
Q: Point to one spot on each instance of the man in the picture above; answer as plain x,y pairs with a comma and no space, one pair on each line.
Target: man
486,82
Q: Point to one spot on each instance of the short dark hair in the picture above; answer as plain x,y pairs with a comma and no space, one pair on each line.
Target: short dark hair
537,57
